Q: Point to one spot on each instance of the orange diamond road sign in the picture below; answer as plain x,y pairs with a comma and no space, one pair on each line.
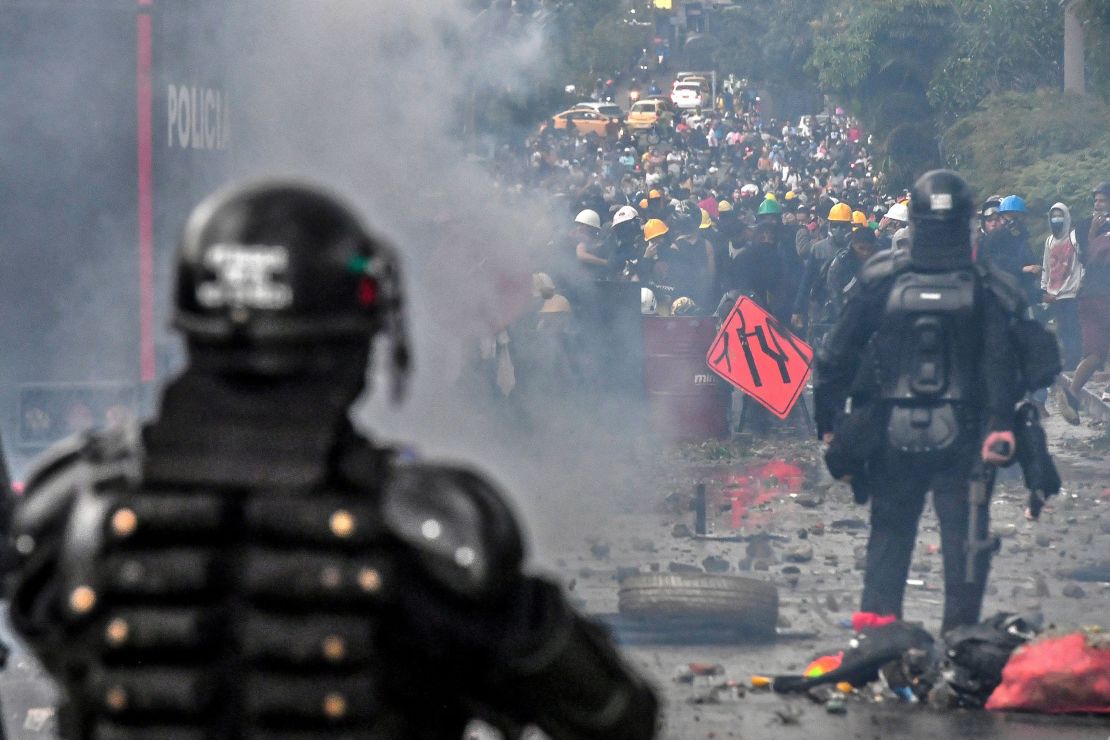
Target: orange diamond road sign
761,357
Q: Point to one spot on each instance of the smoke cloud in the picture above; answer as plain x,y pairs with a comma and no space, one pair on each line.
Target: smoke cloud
372,99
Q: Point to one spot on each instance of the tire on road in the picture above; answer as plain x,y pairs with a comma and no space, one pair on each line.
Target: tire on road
744,602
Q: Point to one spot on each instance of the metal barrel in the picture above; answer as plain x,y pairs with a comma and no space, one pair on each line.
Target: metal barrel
687,400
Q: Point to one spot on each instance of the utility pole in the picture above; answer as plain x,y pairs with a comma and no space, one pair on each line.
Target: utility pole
1073,48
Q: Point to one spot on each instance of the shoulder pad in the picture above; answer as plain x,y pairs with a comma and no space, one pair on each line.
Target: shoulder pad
79,462
460,526
1003,286
883,265
58,526
58,456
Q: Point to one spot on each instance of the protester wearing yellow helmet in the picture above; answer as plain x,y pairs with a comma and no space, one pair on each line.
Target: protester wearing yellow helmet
706,220
840,213
654,229
810,301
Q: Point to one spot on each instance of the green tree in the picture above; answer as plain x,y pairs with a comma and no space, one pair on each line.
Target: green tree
1046,146
768,40
1011,131
878,58
600,44
1095,16
998,46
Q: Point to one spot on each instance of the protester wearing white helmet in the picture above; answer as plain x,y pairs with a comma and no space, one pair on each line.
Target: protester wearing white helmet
588,218
648,304
895,222
897,217
587,250
625,244
624,214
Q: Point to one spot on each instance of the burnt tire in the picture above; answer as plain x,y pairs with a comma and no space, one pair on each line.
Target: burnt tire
747,603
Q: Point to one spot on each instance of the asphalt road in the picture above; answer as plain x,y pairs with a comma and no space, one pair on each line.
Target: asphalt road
1030,574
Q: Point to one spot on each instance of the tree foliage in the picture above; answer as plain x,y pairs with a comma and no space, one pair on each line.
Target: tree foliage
1046,146
1095,17
911,68
878,58
1067,178
998,46
767,40
600,46
1014,130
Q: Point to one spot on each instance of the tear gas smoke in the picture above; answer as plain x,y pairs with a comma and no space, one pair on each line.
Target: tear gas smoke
372,98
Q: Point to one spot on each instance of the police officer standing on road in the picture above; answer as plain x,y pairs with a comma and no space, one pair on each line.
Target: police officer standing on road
929,401
248,566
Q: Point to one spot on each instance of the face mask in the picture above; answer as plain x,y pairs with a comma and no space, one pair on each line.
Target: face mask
1057,226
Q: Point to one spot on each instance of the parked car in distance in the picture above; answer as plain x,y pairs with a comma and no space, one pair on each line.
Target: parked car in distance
606,109
645,113
587,121
693,80
688,95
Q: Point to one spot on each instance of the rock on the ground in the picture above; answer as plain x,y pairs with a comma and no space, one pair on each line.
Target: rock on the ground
800,554
809,500
715,564
1073,591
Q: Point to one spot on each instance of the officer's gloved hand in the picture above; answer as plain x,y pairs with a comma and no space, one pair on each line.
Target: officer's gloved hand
998,448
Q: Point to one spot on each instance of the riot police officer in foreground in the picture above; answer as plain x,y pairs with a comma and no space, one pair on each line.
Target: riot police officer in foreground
248,566
915,390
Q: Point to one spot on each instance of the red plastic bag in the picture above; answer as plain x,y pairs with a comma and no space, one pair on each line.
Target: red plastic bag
1057,675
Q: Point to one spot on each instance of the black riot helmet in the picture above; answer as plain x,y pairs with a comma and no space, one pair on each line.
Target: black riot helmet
281,278
941,207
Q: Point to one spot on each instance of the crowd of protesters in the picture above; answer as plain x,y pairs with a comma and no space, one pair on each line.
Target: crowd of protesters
708,205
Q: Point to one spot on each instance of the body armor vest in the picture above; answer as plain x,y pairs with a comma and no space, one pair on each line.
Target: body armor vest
249,567
927,356
171,611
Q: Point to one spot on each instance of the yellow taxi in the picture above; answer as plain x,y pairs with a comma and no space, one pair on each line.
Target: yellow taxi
645,113
600,120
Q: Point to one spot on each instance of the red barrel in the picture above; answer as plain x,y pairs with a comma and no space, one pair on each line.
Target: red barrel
688,401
